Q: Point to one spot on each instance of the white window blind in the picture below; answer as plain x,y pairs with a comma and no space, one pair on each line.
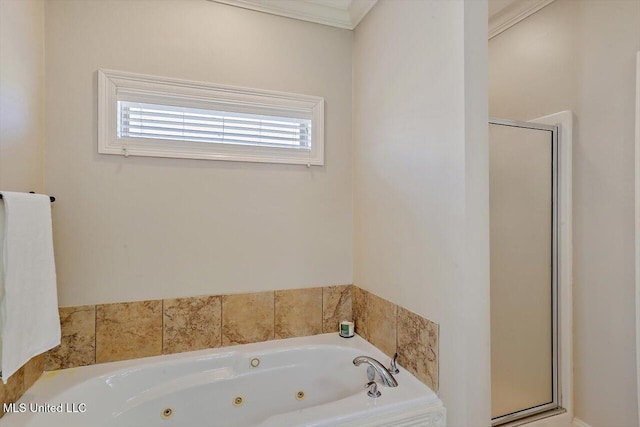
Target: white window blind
143,115
155,121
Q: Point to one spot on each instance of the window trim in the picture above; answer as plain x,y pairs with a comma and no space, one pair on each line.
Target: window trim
114,84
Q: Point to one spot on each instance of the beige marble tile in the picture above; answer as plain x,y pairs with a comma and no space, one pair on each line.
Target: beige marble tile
78,342
128,330
32,370
247,318
336,306
192,324
13,389
298,312
381,323
418,346
360,309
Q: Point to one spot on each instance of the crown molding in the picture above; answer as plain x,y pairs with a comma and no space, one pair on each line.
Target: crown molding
514,13
340,13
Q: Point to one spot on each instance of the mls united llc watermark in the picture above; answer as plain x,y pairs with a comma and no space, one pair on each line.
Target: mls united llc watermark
69,408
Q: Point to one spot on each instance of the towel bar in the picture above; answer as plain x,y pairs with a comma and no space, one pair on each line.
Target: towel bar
53,199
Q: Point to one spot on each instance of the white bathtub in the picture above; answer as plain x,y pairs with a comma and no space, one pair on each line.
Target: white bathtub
200,388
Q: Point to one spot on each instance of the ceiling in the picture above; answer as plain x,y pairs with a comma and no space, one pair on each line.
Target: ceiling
337,13
503,14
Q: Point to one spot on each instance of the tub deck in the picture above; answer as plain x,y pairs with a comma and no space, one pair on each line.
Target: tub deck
307,381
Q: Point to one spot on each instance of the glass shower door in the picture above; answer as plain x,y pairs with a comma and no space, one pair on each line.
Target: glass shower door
523,218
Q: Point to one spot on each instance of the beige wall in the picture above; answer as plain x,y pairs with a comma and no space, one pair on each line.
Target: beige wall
21,94
136,228
421,172
580,55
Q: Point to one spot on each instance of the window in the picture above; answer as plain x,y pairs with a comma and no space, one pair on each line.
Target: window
143,115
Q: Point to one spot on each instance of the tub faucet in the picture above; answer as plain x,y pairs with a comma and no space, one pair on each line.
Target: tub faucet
385,375
393,366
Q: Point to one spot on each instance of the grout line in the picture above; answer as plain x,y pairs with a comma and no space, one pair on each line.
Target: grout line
274,315
95,334
397,324
221,319
220,325
322,310
397,316
162,326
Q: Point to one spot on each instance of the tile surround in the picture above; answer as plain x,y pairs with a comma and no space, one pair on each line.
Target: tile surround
78,342
337,306
33,369
381,324
360,311
298,312
418,346
108,332
128,330
19,382
393,328
247,318
191,324
14,388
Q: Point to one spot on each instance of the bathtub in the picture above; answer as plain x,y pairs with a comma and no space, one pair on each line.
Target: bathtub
308,381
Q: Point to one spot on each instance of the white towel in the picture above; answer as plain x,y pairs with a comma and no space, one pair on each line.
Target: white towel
29,321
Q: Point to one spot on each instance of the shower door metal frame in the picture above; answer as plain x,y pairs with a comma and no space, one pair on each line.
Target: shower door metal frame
551,407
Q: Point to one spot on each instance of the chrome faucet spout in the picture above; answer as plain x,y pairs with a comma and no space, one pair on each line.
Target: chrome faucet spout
387,379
